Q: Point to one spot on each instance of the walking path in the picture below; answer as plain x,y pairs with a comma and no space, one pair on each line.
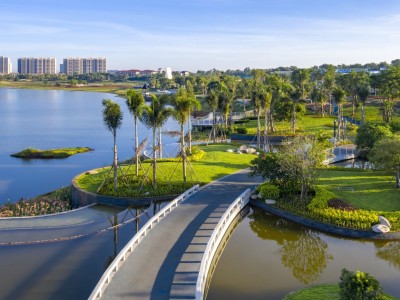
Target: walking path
166,263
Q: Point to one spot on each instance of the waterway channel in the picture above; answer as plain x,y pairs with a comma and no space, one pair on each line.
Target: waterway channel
267,257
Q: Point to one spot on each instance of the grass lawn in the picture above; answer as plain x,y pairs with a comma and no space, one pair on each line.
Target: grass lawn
215,164
310,123
321,292
31,153
365,189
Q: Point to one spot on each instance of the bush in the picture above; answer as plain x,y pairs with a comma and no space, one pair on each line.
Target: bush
359,285
268,190
196,155
395,126
241,130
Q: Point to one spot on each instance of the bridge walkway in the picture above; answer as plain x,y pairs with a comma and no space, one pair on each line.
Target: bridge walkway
166,263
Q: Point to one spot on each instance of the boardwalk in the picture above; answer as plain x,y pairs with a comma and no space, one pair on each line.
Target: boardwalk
166,264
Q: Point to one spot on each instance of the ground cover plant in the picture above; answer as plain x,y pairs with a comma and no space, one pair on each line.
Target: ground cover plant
214,163
54,202
31,153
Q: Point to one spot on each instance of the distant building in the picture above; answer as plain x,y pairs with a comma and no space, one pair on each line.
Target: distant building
148,72
185,73
166,71
38,65
5,65
129,72
72,66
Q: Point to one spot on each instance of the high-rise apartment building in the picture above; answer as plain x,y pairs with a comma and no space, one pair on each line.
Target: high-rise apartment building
5,65
37,65
84,65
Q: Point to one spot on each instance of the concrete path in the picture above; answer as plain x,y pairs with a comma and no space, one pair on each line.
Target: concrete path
166,263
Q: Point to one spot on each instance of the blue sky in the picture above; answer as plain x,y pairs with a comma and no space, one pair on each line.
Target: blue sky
203,34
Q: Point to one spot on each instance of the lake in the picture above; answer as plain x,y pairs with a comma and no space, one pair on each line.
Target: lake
46,119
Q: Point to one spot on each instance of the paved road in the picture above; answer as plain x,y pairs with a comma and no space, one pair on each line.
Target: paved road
166,264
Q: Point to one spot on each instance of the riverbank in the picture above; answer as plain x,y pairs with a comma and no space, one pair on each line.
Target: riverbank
108,87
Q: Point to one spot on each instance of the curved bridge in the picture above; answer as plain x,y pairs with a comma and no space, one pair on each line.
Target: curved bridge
166,264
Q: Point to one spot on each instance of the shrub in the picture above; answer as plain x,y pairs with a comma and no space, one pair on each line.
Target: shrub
359,285
196,155
395,126
269,191
241,130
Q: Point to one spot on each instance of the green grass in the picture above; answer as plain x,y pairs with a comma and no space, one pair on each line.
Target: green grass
365,189
215,164
308,124
322,292
31,153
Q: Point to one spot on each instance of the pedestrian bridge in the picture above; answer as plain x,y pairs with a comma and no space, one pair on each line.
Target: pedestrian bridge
171,260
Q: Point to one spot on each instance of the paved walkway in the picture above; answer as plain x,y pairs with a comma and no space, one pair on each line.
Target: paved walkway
166,263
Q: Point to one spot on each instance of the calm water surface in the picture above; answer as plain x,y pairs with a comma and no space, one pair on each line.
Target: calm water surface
47,119
267,257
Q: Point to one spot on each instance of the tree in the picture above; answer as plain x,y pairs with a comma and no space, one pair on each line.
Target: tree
154,117
363,93
194,105
386,155
182,104
390,90
212,101
299,159
328,83
301,79
368,134
135,102
112,118
340,96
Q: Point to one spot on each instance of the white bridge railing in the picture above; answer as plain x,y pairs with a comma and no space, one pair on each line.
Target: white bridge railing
215,240
128,249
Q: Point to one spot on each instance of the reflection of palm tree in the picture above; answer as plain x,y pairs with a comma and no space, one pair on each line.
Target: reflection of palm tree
390,252
302,250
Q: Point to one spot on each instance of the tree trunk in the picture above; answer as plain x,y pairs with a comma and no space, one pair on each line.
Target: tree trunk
115,162
362,113
214,133
159,143
398,178
136,148
183,153
190,132
265,130
154,159
258,130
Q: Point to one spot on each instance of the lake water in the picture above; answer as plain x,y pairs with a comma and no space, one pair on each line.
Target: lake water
267,257
46,119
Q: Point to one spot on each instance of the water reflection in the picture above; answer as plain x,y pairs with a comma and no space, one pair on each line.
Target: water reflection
390,252
302,250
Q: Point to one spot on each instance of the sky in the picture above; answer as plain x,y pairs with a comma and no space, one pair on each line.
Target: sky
203,34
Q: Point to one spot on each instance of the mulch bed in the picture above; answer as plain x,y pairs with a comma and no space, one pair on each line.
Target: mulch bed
340,204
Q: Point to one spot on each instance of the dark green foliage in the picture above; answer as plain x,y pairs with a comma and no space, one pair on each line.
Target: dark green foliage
368,134
241,130
395,126
269,191
359,286
267,166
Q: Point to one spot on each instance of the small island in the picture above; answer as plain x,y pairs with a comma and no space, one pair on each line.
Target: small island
31,153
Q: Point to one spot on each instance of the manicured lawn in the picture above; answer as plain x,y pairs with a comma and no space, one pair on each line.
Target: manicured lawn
309,124
371,190
322,292
31,153
215,164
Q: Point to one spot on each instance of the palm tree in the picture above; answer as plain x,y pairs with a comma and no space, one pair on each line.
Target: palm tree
224,104
194,105
363,93
295,96
212,101
339,95
112,117
182,103
256,97
154,117
135,102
